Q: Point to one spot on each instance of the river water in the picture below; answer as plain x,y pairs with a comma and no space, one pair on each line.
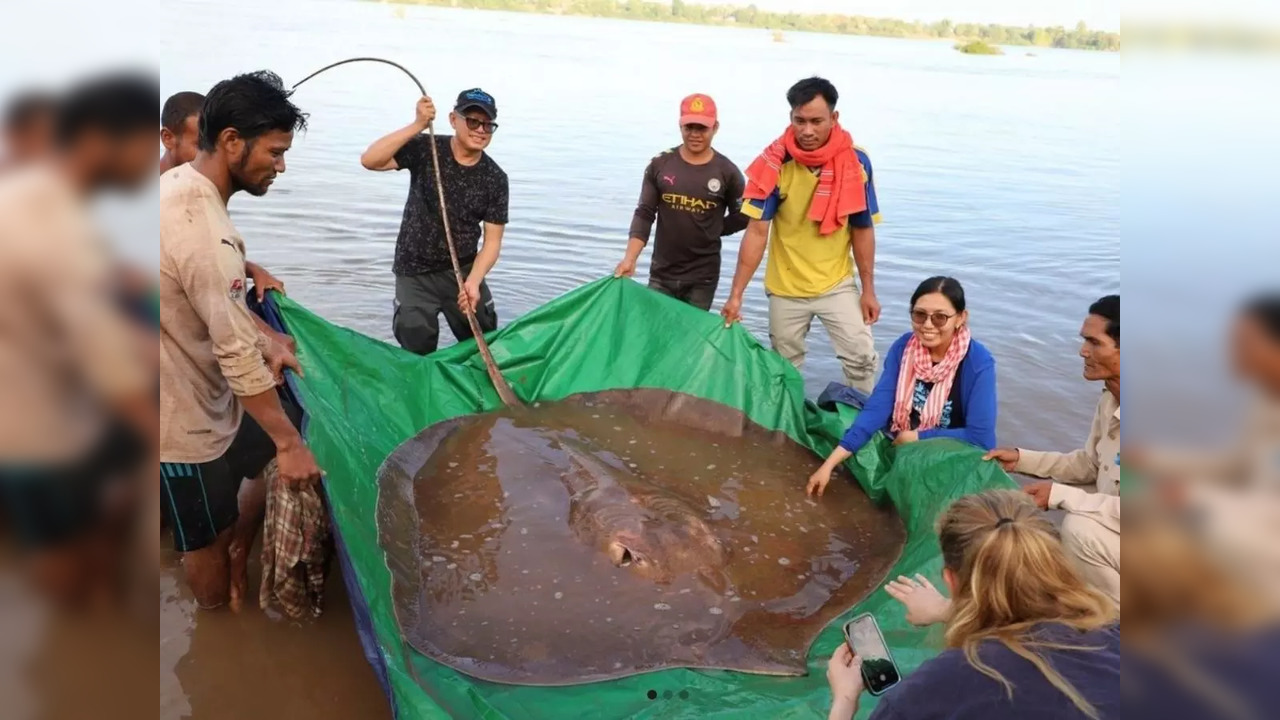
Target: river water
1002,171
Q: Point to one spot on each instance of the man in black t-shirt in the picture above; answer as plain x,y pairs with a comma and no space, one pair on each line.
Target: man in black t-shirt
475,191
696,195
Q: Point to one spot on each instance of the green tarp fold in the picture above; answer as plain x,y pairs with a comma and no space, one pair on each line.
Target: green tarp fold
365,397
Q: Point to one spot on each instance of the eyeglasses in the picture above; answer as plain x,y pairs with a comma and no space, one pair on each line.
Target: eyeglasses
490,127
918,317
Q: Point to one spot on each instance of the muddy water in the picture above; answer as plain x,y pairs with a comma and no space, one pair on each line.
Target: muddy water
212,665
219,665
727,563
55,667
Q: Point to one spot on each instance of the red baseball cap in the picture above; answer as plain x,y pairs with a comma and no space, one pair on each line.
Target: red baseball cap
698,109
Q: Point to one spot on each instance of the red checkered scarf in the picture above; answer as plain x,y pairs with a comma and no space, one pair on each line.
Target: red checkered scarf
840,192
917,365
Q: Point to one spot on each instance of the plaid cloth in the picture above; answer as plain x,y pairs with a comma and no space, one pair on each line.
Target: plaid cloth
296,546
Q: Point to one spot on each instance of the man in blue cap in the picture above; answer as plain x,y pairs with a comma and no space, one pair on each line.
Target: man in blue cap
476,194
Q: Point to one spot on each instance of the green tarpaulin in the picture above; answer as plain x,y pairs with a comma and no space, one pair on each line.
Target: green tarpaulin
364,397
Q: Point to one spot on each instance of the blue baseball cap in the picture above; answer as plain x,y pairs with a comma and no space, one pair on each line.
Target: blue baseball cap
479,99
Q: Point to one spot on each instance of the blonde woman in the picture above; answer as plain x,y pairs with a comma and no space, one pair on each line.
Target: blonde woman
1026,636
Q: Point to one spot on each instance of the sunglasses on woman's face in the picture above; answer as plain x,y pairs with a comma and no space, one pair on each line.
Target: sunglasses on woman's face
490,127
938,318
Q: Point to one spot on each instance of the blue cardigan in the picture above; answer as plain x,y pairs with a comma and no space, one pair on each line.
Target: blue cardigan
977,386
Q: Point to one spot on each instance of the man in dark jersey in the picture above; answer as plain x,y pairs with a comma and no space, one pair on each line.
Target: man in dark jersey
696,194
476,193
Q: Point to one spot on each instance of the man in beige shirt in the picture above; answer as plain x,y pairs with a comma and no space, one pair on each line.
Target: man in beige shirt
1091,527
179,134
1234,491
215,363
77,403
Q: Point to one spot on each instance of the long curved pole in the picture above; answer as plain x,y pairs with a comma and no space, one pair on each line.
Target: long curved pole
505,393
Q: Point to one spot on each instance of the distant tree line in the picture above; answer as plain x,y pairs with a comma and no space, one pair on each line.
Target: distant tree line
1080,37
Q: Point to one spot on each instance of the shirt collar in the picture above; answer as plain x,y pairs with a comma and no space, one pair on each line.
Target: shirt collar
1108,399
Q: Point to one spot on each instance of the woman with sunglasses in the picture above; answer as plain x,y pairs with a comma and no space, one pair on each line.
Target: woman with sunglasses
937,382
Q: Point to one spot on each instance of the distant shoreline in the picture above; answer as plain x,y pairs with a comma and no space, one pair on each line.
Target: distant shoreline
678,11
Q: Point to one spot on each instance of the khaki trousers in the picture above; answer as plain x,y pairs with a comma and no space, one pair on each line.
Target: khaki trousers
841,314
1096,551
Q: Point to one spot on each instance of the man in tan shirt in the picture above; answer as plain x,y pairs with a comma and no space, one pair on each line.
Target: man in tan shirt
179,134
1234,491
215,363
1091,527
77,403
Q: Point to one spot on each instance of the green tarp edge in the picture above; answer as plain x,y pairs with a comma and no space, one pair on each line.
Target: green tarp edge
365,397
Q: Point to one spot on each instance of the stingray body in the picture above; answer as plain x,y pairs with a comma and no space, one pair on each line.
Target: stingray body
620,533
636,524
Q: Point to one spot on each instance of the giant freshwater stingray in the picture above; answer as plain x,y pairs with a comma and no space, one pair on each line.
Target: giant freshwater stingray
617,533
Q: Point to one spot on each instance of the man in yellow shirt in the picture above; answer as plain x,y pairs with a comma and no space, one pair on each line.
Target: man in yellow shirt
815,191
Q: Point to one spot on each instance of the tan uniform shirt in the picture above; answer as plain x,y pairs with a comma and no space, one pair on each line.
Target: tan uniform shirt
1097,462
65,348
1252,461
1237,493
210,348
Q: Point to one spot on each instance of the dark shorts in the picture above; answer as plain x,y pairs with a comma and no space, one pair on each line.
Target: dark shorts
200,500
420,300
50,506
697,294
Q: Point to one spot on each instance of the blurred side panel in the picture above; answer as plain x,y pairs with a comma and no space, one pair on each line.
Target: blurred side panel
97,662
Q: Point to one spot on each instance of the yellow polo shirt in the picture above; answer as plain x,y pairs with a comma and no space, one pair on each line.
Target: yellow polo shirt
802,263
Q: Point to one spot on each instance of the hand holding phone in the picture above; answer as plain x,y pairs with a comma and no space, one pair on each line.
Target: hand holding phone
879,672
844,676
